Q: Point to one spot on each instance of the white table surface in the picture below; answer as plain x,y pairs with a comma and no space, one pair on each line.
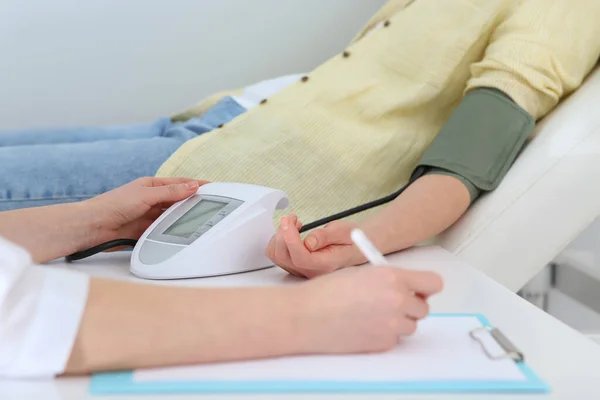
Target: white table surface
565,359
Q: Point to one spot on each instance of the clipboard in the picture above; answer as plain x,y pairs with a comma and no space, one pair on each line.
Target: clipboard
486,345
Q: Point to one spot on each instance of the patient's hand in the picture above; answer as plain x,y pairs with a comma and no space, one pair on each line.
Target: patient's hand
322,251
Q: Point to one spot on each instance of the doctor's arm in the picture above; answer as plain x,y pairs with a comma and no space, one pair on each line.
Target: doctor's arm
127,326
55,321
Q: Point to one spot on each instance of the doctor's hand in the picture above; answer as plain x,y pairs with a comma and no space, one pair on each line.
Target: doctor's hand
126,212
360,310
324,250
50,232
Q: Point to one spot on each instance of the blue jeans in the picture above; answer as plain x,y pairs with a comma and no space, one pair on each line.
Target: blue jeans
52,166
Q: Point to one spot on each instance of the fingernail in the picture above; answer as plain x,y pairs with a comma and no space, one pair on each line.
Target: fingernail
191,185
311,242
284,224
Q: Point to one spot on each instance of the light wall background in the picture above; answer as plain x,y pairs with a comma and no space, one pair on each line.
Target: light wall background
74,62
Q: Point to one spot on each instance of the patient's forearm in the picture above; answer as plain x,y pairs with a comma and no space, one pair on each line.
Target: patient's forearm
128,325
427,207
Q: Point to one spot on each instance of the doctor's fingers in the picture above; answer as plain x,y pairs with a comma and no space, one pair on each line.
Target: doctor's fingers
422,283
155,195
415,307
158,181
153,213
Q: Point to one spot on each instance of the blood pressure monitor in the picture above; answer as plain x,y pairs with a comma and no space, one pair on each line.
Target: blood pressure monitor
222,229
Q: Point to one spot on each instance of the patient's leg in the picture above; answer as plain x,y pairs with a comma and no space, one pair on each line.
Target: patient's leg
38,173
25,137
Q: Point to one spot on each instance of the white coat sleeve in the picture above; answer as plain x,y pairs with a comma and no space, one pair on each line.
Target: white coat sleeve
40,312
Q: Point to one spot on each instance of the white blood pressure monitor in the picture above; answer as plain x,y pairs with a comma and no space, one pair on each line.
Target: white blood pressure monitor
222,229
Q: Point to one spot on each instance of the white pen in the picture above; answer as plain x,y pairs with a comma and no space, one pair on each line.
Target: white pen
367,248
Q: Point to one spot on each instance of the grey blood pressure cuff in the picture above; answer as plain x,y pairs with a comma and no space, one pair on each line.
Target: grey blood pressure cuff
480,140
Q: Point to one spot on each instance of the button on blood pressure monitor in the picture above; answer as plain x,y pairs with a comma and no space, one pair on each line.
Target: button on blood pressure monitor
222,229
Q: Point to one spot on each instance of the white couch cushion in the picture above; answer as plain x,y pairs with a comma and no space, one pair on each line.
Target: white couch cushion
549,196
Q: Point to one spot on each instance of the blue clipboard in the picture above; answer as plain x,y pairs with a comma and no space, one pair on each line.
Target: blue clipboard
123,383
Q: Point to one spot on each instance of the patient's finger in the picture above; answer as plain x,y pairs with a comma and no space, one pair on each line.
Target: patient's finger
283,261
270,251
292,219
282,256
299,254
290,271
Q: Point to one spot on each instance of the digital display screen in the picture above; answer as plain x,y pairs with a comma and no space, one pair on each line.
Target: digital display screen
194,218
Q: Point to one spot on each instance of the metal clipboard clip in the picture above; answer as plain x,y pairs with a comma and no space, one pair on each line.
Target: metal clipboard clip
510,350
